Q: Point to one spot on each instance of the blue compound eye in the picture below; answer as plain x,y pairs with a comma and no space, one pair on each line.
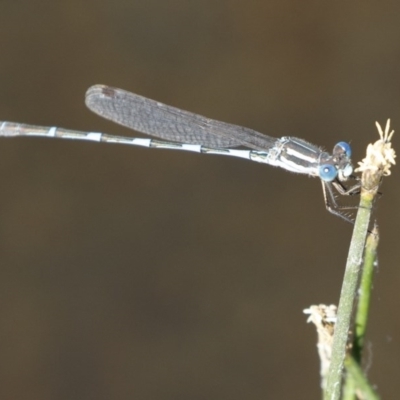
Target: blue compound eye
327,172
345,147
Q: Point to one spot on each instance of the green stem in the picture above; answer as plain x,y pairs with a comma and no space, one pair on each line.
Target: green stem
362,384
380,156
347,297
361,317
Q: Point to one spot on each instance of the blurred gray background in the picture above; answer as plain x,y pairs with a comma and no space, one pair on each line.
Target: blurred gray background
129,273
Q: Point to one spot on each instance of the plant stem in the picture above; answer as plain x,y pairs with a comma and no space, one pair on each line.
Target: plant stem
364,300
377,163
362,384
347,297
352,383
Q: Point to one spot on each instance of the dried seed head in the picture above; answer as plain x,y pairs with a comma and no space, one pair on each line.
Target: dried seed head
380,154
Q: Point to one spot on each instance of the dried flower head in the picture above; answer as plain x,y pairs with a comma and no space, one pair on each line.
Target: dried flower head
380,154
324,318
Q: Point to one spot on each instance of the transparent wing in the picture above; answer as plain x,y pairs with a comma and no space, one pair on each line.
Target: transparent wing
170,123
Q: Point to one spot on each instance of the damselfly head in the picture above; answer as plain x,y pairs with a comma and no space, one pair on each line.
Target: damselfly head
342,159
